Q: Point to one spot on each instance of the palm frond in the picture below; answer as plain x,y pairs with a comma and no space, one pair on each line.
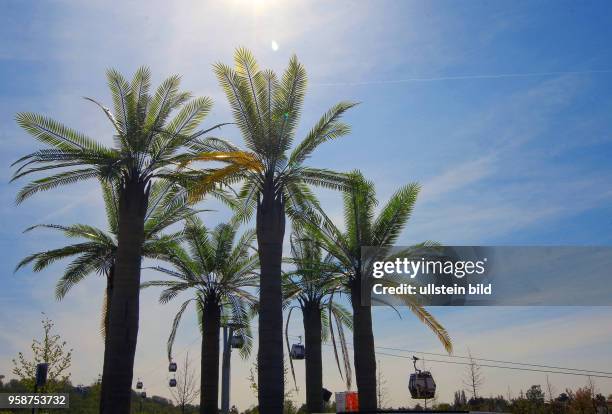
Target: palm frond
108,114
120,89
82,266
175,325
394,216
327,128
288,100
423,315
54,134
243,108
111,205
161,104
53,181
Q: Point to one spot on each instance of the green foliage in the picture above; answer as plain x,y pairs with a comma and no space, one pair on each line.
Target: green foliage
581,401
96,250
50,349
363,227
314,281
535,395
267,112
86,400
217,268
149,144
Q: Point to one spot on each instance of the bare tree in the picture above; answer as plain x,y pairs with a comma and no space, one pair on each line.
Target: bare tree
474,378
187,386
381,389
591,386
551,390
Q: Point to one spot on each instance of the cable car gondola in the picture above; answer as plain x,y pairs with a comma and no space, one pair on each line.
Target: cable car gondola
139,385
172,367
237,341
143,394
298,351
172,382
421,385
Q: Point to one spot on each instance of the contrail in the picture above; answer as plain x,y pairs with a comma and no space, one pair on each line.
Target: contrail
464,77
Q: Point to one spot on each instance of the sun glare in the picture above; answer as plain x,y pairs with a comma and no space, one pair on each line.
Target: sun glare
257,4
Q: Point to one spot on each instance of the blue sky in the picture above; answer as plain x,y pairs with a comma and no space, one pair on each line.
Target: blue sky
501,110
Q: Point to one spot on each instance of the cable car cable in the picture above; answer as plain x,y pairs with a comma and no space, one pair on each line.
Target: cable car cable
604,374
494,360
500,366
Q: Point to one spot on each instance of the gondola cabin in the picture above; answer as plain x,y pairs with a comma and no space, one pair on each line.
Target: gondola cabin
298,351
172,382
237,341
139,385
172,367
143,394
422,385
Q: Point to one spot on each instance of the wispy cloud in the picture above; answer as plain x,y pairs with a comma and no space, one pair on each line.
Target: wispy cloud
497,152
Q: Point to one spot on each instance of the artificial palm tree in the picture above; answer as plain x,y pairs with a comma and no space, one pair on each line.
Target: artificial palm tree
219,271
147,145
364,228
275,182
314,283
98,253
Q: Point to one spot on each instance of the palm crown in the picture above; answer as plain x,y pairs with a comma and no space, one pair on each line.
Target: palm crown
219,269
364,228
267,112
146,140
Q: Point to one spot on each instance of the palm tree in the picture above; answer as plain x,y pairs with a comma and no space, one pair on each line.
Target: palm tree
275,182
219,272
364,228
98,252
312,284
147,146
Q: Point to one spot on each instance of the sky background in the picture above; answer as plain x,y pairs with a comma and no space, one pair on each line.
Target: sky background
501,110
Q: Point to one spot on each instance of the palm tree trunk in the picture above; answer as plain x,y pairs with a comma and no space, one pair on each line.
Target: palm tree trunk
270,234
123,315
105,322
364,354
311,313
209,371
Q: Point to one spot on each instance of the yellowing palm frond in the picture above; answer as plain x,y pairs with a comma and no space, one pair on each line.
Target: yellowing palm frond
423,315
239,162
244,159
